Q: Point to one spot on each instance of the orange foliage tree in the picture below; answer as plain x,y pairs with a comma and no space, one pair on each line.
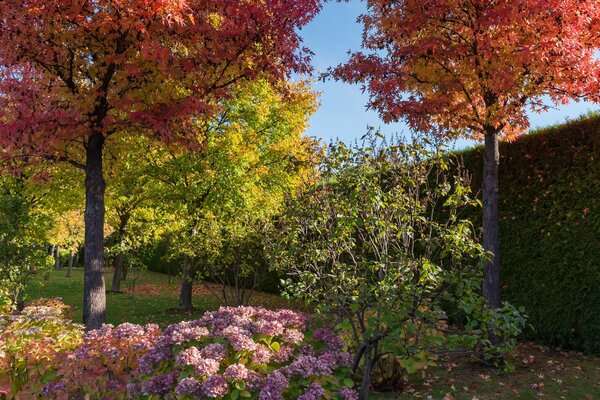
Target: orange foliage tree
475,68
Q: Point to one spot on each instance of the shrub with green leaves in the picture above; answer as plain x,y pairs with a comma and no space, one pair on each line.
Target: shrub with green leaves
23,228
380,242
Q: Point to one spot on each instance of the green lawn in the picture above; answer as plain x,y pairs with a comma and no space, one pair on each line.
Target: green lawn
541,373
154,298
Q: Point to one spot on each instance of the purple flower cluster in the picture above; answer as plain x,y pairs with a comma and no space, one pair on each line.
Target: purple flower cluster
216,351
313,392
207,357
160,384
215,386
348,394
275,385
333,341
54,388
188,386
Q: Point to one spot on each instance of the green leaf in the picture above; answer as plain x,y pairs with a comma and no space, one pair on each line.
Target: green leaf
275,346
348,382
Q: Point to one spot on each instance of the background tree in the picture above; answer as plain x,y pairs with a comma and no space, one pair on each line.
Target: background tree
127,192
252,153
474,69
67,231
73,73
24,224
65,202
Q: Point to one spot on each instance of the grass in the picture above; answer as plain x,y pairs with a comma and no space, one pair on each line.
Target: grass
154,298
541,373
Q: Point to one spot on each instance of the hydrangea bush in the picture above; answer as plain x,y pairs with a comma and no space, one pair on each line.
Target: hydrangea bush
245,352
102,366
30,343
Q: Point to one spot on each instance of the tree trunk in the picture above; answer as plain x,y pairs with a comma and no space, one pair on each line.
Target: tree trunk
117,274
187,285
56,258
491,243
363,391
70,263
94,292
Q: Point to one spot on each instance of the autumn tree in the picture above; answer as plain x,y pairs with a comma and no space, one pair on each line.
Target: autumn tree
65,205
74,73
253,153
67,231
475,68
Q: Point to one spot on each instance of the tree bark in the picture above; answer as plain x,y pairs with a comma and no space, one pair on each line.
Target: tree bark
70,263
56,258
363,391
94,292
491,239
187,285
118,274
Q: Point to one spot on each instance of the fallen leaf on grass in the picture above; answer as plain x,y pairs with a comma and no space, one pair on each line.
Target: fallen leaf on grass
537,385
529,360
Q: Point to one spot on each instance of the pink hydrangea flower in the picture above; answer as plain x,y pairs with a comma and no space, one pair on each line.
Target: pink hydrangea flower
284,354
236,372
216,351
190,356
262,355
207,367
293,336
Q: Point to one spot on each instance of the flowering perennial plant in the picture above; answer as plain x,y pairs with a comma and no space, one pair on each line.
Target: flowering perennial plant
102,366
30,343
245,352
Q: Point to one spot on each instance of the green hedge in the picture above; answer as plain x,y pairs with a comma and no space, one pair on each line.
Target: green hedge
550,230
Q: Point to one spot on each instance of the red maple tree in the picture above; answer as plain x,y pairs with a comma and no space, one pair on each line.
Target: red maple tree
75,72
475,68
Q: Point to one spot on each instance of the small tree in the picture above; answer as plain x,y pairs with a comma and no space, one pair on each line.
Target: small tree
241,266
252,153
380,243
474,68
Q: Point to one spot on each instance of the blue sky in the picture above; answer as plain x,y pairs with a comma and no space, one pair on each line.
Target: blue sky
342,113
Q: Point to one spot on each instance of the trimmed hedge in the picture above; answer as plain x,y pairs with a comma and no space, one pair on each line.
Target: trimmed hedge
550,230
